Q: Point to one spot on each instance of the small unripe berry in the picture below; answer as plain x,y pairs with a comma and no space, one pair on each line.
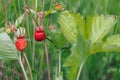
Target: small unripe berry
8,30
51,27
13,28
58,7
40,15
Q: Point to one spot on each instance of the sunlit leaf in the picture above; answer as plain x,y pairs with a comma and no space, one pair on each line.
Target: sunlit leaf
59,38
99,26
77,58
95,48
91,33
69,22
19,20
20,31
2,30
60,77
112,44
80,24
7,48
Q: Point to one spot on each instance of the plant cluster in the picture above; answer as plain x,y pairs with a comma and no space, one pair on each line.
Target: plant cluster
55,43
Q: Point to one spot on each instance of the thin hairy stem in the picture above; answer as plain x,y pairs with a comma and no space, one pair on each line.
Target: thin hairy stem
23,69
31,15
29,68
47,60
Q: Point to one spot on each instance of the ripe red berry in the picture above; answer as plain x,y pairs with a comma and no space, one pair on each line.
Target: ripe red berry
39,34
21,43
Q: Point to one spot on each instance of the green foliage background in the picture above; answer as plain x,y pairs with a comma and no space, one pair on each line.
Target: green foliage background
102,66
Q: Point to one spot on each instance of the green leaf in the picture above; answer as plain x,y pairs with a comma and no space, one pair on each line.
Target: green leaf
112,44
60,77
20,30
99,26
7,48
19,20
80,24
77,58
59,38
89,40
94,48
2,30
69,21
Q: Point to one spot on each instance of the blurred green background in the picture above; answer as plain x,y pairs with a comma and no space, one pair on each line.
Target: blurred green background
103,66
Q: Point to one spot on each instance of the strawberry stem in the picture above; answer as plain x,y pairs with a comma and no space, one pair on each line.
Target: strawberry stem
51,41
31,15
59,62
29,68
23,69
47,60
22,58
5,10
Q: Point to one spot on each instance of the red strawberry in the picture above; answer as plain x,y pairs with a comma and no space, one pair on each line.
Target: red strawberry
39,34
21,43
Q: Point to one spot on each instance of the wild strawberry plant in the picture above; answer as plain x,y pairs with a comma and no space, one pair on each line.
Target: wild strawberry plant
87,38
56,43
